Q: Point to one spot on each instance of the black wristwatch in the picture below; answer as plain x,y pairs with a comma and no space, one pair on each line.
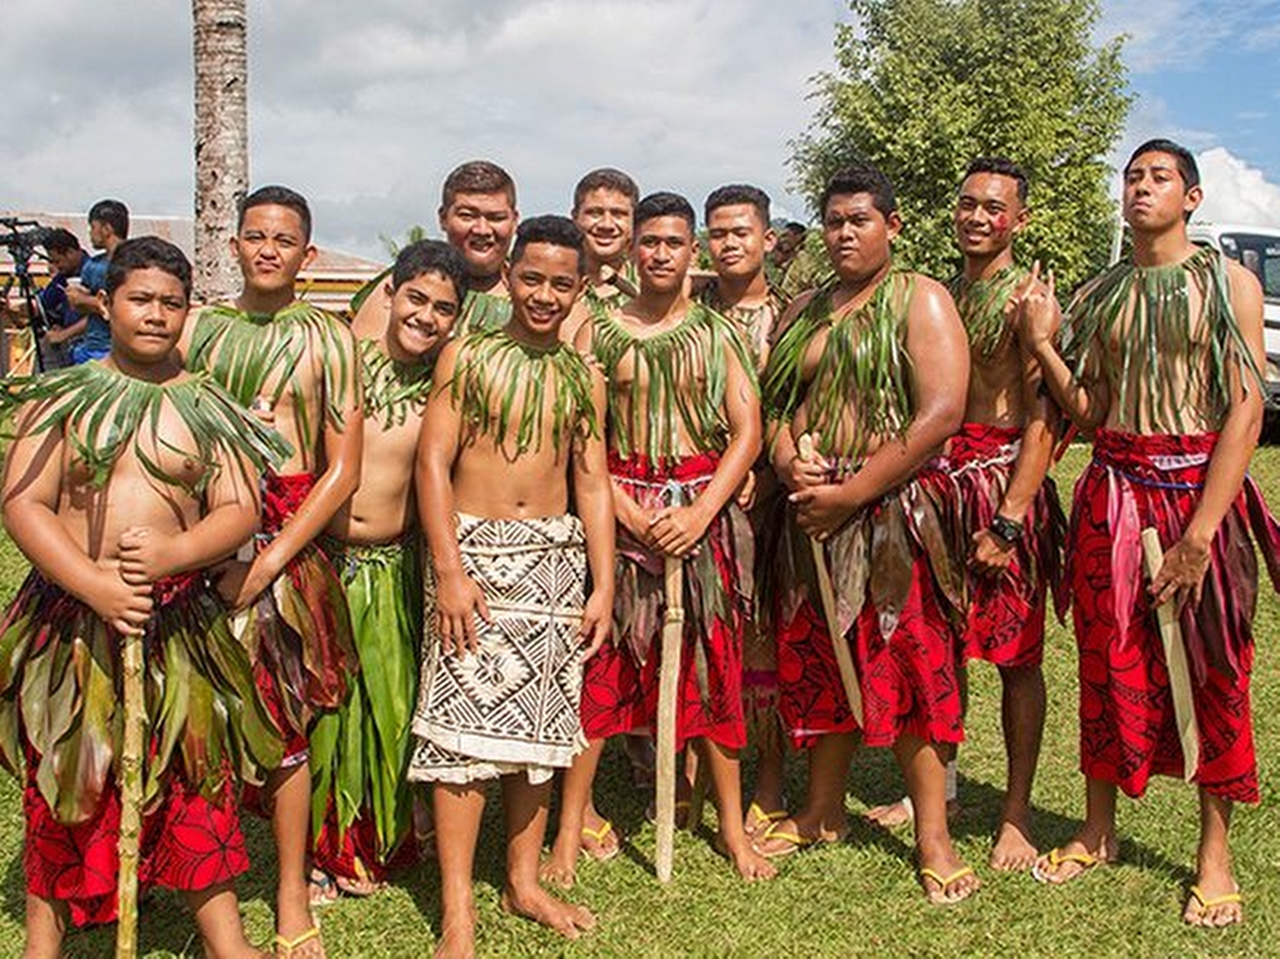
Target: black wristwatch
1006,530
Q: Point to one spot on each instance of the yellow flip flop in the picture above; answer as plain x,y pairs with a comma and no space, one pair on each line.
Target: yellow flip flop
1056,857
285,948
939,897
598,836
762,820
1204,903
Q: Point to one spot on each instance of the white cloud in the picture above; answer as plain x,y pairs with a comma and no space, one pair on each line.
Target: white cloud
1235,192
1185,34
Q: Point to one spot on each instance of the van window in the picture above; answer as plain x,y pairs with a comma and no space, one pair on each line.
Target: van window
1260,254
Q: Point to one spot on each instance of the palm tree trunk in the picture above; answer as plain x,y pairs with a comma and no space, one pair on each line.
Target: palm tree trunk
221,140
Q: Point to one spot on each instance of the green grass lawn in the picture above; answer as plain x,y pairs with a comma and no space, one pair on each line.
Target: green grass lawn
860,898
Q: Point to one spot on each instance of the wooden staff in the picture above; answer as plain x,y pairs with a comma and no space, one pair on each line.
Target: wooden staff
129,777
844,658
668,686
1175,658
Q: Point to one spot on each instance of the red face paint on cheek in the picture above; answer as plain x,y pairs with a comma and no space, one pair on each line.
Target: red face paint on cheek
1000,223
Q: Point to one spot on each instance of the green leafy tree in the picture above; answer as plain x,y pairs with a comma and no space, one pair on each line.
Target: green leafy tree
921,87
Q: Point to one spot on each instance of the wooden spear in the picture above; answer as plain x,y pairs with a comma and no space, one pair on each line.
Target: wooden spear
1175,658
129,778
844,658
668,686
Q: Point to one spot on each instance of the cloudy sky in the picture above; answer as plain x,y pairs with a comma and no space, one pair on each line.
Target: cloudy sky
366,106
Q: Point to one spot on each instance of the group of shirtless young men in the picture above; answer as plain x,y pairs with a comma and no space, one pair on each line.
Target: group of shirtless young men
558,417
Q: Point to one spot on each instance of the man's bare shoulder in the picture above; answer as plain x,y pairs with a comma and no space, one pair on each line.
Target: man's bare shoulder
930,299
1242,281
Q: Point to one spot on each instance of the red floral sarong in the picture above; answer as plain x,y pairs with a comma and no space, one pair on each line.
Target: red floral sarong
620,683
1127,730
1006,613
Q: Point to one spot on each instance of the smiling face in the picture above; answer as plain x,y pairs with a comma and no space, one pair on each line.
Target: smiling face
146,313
544,284
272,248
480,226
988,214
1156,197
423,310
738,240
857,235
605,218
664,250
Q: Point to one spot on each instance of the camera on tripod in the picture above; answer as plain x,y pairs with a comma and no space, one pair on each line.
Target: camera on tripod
21,238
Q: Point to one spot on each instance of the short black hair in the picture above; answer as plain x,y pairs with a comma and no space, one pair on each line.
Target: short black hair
1185,159
276,195
665,204
477,176
736,194
143,253
59,240
1002,166
798,229
860,178
431,256
549,228
606,178
114,214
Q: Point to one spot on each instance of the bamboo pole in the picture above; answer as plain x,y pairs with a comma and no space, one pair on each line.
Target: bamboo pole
1175,658
844,658
668,686
129,777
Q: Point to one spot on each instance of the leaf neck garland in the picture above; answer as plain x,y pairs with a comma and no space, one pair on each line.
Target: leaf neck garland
391,389
1144,315
495,370
243,350
678,381
864,366
755,324
101,411
483,312
981,304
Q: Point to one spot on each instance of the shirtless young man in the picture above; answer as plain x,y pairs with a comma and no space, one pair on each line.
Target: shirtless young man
700,441
478,216
604,204
515,415
739,240
121,518
1009,506
1166,350
373,542
299,364
870,497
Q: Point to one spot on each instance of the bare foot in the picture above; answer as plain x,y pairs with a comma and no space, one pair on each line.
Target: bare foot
554,872
537,904
946,879
359,888
1013,851
1075,858
749,863
900,813
457,941
1215,899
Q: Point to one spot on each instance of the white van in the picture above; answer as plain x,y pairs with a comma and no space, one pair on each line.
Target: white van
1258,248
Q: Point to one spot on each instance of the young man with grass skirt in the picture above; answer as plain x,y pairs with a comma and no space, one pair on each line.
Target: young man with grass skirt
1012,521
362,810
684,417
739,238
125,480
512,435
296,364
1164,350
873,366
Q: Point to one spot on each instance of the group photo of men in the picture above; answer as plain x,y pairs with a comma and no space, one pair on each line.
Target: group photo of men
744,503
